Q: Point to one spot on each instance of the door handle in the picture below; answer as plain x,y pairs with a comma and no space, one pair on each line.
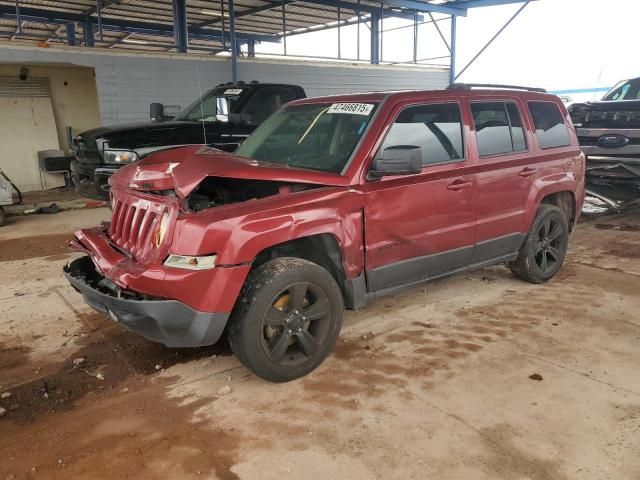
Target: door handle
459,184
528,171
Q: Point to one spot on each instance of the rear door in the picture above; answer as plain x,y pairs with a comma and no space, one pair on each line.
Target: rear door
506,171
420,226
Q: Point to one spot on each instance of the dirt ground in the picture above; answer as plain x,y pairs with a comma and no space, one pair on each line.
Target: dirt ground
479,376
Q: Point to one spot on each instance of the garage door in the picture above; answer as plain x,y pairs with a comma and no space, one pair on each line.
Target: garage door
27,125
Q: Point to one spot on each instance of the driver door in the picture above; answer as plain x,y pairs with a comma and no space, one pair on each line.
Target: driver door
422,225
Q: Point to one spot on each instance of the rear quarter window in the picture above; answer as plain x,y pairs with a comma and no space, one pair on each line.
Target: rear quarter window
549,124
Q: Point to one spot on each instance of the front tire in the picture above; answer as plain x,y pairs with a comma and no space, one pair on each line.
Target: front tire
287,319
545,246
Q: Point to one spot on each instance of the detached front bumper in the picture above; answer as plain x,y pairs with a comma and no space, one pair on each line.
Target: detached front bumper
169,322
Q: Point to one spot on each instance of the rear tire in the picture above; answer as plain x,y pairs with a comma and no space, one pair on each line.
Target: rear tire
545,246
287,319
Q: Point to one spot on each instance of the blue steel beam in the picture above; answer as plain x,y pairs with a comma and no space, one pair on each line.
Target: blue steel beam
388,12
426,7
234,42
71,34
375,38
484,3
452,49
39,15
89,39
180,25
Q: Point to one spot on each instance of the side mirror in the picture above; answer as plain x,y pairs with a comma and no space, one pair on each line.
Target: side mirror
398,160
156,112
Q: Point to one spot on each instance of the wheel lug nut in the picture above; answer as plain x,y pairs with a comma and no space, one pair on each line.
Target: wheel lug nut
299,329
289,331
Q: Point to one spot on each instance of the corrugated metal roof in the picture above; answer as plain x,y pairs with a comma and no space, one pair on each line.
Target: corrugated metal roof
263,17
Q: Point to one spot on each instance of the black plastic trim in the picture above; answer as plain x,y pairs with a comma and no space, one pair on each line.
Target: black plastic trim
415,269
169,322
497,246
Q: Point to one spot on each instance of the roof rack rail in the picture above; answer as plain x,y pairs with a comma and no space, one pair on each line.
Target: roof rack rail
469,86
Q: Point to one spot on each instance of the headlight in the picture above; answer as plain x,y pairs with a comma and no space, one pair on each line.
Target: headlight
119,156
161,232
191,263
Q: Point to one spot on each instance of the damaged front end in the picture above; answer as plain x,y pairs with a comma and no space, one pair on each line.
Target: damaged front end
609,136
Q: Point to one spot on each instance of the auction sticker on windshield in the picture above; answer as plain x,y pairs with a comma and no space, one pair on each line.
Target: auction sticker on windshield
233,91
352,108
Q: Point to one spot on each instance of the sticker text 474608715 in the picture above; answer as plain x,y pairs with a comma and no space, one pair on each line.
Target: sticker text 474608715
351,108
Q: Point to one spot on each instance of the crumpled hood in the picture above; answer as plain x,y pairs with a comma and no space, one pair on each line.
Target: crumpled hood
182,169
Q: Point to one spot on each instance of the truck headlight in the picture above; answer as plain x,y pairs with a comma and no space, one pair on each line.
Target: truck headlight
191,263
119,156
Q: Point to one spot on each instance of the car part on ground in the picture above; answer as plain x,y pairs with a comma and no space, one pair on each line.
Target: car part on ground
224,117
332,202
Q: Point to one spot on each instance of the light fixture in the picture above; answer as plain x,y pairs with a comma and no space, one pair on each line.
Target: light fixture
213,13
137,42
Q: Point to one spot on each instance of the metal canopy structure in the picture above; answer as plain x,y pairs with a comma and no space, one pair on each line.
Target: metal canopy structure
217,26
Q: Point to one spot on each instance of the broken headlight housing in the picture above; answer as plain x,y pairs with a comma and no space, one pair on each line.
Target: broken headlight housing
204,262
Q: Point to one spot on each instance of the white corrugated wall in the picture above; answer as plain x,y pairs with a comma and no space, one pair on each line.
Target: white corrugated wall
128,82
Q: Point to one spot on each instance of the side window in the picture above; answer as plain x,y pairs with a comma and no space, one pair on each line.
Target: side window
498,128
266,101
436,128
550,128
517,130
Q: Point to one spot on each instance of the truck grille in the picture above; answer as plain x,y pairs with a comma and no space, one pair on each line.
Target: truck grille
134,223
608,119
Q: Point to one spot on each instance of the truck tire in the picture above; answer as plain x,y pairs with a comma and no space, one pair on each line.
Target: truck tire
1,216
545,246
287,319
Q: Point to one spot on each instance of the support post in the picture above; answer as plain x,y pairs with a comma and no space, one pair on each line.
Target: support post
381,33
251,48
99,13
339,42
284,27
180,25
415,37
375,38
71,34
89,39
234,44
452,48
224,38
358,27
18,17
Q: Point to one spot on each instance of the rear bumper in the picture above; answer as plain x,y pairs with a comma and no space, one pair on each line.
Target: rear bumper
92,180
169,322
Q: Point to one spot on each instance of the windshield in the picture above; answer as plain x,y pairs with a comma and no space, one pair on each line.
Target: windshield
627,90
315,136
216,106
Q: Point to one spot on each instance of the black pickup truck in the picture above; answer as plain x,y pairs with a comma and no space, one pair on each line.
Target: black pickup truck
609,136
226,115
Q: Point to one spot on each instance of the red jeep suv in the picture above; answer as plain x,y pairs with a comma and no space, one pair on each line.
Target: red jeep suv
331,203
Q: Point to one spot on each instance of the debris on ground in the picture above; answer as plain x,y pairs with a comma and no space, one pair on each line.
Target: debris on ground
536,376
3,411
5,395
100,376
225,390
78,361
